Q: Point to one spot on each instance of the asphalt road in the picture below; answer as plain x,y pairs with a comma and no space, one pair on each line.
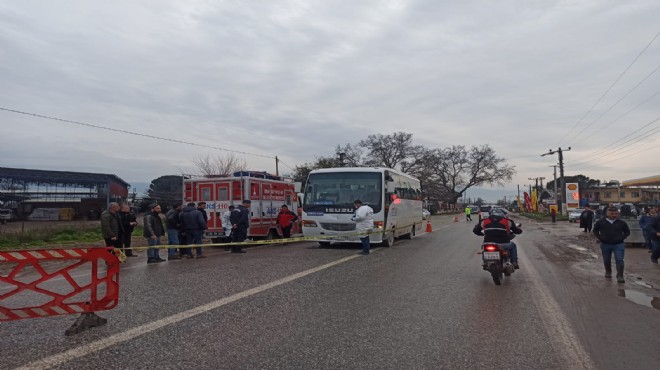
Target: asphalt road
424,303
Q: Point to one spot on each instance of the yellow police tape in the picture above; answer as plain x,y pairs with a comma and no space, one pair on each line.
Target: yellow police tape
270,241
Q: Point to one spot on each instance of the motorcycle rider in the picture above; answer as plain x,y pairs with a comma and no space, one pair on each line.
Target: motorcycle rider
497,228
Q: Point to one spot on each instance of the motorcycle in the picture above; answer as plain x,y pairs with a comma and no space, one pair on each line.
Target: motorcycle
497,260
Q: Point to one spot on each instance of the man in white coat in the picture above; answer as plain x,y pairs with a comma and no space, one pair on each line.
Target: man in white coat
226,224
364,223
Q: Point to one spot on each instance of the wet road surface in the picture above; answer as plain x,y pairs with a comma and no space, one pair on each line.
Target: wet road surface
424,303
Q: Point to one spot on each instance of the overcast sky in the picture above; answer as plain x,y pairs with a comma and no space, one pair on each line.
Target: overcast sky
296,78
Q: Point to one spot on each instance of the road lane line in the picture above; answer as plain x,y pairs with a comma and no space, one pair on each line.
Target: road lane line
556,323
74,353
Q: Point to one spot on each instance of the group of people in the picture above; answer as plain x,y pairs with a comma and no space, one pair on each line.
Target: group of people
183,226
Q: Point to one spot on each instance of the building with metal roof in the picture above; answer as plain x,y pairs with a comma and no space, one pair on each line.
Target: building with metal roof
87,193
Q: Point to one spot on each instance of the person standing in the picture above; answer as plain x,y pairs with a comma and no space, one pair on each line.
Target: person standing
553,214
201,206
644,221
240,222
128,222
193,225
173,225
110,226
364,223
153,231
286,219
612,232
653,229
226,222
586,219
468,213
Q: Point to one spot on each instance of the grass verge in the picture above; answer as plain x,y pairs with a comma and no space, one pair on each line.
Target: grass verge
54,236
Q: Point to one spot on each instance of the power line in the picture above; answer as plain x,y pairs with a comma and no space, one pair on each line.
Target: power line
603,149
617,145
133,133
609,88
615,104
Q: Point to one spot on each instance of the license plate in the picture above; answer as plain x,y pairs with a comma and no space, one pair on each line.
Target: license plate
491,255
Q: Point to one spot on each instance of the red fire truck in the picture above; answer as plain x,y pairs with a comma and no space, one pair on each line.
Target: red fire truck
267,192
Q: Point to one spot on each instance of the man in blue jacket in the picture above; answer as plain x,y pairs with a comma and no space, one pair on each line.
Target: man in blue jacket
612,232
193,224
653,230
240,222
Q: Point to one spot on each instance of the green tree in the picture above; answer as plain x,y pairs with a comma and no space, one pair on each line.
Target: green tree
166,190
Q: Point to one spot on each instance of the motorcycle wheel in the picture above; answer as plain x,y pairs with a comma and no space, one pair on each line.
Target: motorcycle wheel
496,273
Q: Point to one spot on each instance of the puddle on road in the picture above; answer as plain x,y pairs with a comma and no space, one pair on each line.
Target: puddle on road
640,298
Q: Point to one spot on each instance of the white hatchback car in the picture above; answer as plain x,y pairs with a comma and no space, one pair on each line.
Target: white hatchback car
574,215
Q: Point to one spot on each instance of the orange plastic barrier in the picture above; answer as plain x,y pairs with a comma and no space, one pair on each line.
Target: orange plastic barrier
55,285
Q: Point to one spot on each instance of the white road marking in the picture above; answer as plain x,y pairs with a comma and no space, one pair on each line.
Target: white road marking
561,333
74,353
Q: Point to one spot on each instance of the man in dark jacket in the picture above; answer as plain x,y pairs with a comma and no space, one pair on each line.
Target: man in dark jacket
110,226
497,228
128,222
611,232
193,224
586,219
240,221
653,230
644,221
153,231
173,224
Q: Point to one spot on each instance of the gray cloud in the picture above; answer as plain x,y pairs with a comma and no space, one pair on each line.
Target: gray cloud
294,79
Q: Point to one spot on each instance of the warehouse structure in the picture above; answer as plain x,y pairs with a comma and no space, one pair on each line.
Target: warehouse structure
25,190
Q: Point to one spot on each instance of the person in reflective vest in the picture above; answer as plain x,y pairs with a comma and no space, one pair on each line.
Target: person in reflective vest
497,228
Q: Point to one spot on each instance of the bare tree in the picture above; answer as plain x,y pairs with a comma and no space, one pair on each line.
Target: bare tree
216,165
388,150
460,169
351,153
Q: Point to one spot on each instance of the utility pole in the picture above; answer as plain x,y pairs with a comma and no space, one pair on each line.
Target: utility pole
554,175
536,179
277,166
560,153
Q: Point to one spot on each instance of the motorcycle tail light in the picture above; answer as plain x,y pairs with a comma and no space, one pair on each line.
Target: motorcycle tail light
490,248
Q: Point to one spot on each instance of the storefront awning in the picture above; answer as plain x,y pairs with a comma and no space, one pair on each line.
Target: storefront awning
644,181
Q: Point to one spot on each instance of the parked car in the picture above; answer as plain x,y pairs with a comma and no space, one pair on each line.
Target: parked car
425,214
574,215
7,215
